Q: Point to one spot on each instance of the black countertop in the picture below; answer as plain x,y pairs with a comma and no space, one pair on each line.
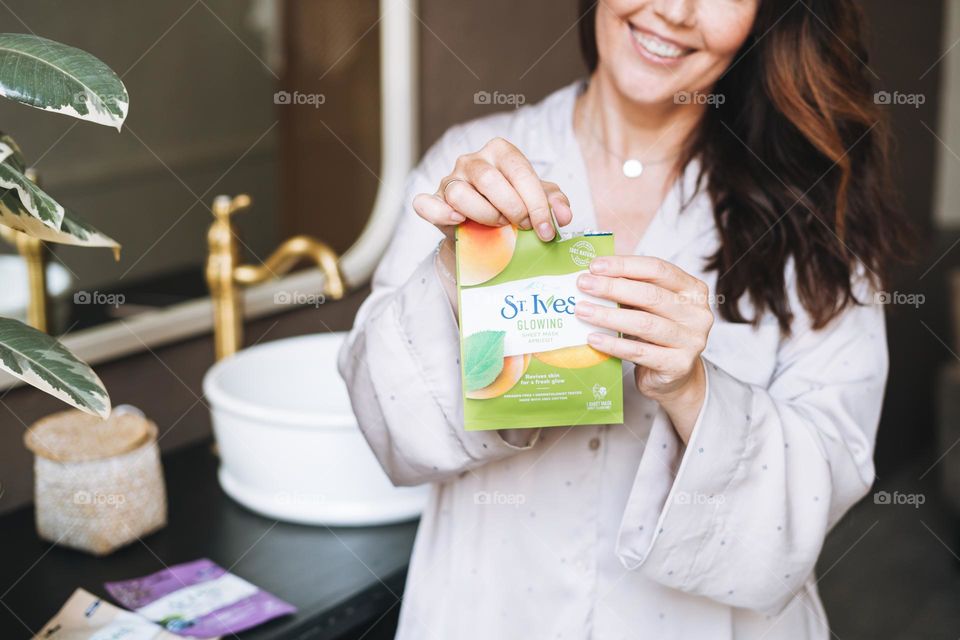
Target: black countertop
342,580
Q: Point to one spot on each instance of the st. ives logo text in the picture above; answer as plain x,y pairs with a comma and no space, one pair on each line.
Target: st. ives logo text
512,306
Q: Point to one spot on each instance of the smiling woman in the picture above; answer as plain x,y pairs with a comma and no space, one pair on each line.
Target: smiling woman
733,148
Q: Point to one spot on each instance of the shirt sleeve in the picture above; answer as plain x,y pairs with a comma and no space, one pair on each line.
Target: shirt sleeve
740,515
401,360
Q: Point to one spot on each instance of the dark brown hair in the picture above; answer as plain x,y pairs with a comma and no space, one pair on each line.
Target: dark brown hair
796,162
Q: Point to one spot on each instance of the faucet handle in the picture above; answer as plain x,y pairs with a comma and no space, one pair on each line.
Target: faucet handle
224,206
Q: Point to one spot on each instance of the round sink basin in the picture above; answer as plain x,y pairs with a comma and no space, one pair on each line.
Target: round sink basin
289,444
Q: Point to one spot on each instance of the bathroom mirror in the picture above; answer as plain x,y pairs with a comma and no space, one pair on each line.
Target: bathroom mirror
276,99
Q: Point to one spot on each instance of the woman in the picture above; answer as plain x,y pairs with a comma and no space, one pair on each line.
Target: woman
734,149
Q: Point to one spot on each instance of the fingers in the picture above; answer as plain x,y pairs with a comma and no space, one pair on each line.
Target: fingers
518,170
559,203
646,326
634,293
465,199
649,269
494,187
497,186
436,211
643,354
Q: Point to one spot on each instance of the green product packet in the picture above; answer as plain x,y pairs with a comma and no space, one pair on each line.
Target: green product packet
524,357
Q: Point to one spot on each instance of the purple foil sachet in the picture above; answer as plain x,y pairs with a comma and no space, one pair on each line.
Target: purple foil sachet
199,599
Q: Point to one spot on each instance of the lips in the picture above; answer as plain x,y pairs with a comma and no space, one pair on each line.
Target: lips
657,47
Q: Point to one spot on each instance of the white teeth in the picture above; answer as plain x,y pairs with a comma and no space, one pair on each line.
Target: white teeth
656,46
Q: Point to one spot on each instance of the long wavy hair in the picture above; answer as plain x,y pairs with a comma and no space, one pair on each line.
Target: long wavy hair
814,188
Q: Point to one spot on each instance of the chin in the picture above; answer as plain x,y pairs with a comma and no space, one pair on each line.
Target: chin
639,86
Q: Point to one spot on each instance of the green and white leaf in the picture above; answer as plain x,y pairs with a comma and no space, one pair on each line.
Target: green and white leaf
35,202
41,361
15,214
73,230
56,77
14,156
482,359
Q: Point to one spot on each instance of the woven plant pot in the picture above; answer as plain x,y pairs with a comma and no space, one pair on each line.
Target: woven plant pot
99,484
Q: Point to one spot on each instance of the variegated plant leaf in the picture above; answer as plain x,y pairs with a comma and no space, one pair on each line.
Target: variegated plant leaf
41,361
14,214
33,200
56,77
72,229
14,155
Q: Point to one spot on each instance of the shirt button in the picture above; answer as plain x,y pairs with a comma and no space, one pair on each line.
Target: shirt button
594,444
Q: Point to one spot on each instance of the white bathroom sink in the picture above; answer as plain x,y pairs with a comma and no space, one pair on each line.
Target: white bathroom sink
289,444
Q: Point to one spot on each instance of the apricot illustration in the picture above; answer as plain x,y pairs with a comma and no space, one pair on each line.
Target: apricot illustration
513,369
579,357
483,251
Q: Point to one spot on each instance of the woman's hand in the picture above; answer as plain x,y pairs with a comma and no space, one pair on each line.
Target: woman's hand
665,319
495,186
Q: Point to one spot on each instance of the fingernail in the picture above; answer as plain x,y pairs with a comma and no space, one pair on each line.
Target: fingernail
595,339
599,265
584,309
562,212
545,231
586,282
457,218
525,225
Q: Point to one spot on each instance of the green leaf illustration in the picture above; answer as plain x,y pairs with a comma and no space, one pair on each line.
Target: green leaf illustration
482,359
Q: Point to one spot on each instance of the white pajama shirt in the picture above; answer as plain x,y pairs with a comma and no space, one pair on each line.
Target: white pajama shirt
619,531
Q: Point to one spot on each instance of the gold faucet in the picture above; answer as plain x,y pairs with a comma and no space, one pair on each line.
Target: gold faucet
225,275
34,254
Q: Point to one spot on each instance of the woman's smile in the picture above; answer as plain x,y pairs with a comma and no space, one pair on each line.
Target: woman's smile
656,48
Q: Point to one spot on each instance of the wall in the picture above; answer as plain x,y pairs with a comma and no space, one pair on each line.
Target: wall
906,45
330,155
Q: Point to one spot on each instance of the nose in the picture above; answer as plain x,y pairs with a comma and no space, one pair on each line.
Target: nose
677,12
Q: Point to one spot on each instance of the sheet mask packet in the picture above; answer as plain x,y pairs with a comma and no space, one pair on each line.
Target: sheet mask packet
524,357
199,599
84,616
